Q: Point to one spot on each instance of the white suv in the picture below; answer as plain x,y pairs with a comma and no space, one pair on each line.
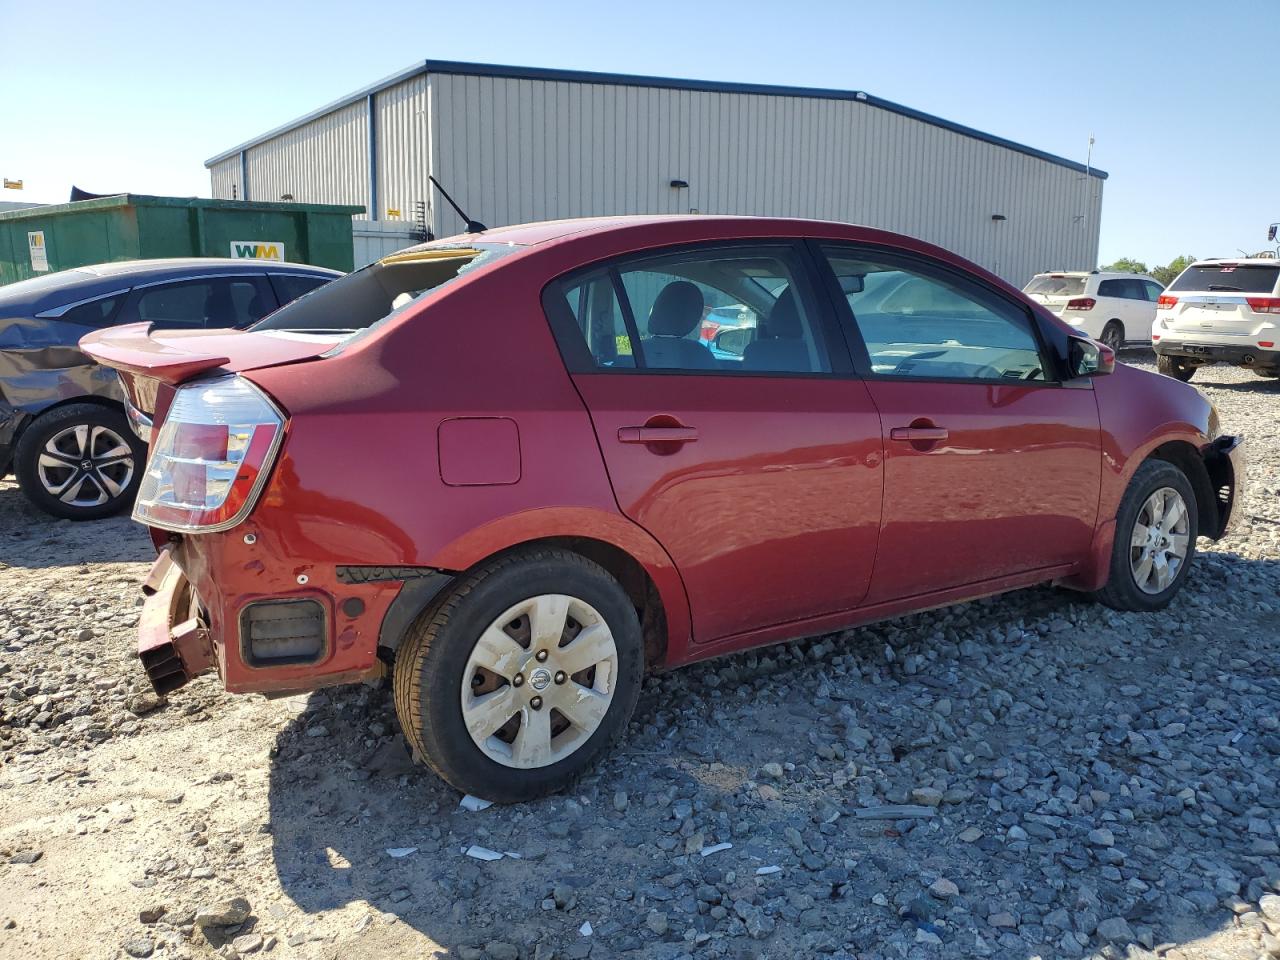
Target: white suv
1114,308
1220,311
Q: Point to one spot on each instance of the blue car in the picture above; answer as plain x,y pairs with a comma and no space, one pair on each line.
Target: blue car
63,427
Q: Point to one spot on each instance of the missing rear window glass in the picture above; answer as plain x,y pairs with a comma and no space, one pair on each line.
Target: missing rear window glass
359,300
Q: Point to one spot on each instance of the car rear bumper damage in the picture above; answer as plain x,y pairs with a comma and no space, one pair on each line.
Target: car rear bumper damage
264,637
173,645
1245,355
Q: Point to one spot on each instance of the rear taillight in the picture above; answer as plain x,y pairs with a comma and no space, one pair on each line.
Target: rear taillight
210,457
1264,304
1081,303
1166,302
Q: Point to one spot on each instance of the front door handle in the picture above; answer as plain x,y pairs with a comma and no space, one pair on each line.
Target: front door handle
919,434
657,434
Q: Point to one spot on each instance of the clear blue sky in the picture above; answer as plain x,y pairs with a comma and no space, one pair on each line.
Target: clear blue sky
135,96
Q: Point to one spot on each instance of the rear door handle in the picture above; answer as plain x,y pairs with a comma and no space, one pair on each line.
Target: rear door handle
918,434
657,434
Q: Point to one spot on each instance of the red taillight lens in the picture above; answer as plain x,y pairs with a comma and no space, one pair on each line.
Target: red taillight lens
1166,302
1266,343
1155,336
1081,303
1264,304
709,330
209,458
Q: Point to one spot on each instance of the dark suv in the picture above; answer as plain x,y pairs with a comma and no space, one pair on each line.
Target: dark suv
63,427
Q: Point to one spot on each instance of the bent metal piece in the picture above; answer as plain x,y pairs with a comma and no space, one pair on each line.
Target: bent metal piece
172,651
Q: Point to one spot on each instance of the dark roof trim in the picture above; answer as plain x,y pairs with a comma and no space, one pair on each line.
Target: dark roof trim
671,83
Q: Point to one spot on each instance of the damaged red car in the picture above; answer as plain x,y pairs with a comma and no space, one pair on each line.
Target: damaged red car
506,470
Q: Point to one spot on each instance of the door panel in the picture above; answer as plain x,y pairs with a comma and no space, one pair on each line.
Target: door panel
772,513
1012,487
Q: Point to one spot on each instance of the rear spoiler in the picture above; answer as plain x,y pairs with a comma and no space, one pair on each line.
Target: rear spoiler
132,349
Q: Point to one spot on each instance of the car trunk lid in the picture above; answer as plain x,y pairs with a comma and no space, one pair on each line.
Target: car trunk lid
147,359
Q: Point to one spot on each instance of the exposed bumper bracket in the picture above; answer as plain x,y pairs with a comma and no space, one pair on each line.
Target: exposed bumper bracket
172,645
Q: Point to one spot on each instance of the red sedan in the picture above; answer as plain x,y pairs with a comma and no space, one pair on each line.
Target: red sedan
506,470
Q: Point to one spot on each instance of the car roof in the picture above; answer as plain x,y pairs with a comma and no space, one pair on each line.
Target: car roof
1101,274
1246,261
52,290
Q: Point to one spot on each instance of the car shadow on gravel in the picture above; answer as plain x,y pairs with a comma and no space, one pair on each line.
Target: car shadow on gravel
1073,777
30,538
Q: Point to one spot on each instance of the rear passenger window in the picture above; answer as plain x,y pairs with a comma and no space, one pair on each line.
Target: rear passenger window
919,323
728,310
290,286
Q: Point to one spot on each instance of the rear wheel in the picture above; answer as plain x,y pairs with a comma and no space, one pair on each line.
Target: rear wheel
519,679
1175,367
1155,540
80,462
1113,335
1267,373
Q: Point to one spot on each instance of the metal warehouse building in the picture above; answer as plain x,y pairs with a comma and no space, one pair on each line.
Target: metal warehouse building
514,144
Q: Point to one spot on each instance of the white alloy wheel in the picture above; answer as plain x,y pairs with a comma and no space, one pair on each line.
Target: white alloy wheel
539,681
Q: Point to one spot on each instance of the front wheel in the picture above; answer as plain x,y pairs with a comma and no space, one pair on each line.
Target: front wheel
80,462
1155,540
522,676
1175,367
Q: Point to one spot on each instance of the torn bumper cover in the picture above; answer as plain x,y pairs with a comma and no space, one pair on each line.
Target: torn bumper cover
172,644
1228,468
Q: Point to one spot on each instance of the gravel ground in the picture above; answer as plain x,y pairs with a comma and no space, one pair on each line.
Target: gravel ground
1031,776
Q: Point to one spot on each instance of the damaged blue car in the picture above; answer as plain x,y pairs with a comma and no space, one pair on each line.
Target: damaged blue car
65,431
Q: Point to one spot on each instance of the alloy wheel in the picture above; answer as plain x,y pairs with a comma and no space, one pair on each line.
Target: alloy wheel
85,465
1158,545
539,681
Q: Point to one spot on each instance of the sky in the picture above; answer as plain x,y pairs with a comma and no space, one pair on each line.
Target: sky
135,95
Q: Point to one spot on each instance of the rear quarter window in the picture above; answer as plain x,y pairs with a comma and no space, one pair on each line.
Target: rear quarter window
95,313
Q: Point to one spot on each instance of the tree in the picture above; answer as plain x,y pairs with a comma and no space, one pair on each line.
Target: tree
1126,265
1166,275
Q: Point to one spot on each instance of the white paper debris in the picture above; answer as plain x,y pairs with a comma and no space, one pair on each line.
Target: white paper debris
585,929
513,856
716,848
765,871
474,804
482,853
399,852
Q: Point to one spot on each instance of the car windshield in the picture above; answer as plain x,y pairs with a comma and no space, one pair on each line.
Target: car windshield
1229,278
359,300
1055,285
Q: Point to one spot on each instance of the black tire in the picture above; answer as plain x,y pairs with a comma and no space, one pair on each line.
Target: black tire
1121,591
103,478
1175,367
433,658
1113,335
1267,373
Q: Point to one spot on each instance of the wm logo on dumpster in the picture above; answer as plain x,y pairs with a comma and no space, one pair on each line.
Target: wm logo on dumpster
257,250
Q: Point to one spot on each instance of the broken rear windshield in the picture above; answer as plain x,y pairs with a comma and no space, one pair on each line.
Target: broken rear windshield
359,300
1229,278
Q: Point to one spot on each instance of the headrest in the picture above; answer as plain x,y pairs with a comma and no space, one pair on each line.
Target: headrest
676,311
784,319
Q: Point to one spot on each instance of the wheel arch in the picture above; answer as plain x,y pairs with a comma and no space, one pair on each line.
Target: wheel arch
1187,458
639,564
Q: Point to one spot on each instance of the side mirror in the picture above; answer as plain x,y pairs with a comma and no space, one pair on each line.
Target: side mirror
1271,232
1088,358
734,340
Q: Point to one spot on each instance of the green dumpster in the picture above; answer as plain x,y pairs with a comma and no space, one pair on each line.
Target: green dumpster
130,226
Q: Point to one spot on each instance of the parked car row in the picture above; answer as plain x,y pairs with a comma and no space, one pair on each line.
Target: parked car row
63,430
1113,308
361,485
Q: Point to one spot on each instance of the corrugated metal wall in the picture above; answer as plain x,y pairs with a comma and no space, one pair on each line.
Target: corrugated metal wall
513,150
518,149
225,177
323,161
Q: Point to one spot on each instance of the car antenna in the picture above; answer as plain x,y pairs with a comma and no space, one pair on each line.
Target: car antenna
473,226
